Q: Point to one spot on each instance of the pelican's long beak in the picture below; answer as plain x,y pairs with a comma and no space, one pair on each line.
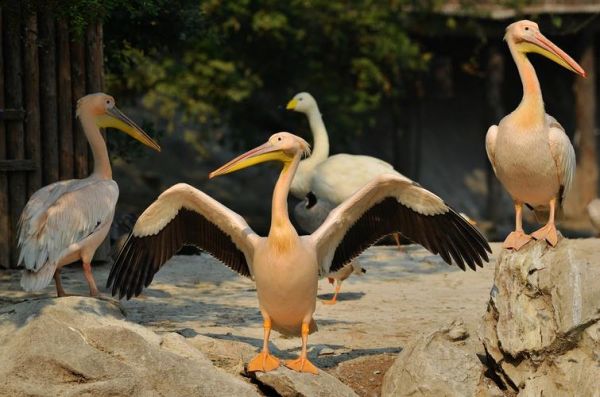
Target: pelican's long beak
114,118
540,44
292,104
261,154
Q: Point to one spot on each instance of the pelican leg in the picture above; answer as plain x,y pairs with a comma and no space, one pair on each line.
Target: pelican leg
333,300
517,239
264,361
396,237
60,292
301,364
87,272
548,232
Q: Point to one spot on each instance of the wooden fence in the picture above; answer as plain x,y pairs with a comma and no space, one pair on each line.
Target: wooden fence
44,69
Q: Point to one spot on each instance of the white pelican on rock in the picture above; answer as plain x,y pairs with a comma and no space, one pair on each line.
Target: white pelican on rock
529,150
285,266
67,220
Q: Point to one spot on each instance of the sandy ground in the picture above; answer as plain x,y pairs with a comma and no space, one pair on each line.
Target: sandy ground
403,294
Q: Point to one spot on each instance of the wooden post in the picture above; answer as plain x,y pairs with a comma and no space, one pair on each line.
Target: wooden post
5,230
586,177
93,66
47,54
65,120
17,181
32,104
78,90
95,58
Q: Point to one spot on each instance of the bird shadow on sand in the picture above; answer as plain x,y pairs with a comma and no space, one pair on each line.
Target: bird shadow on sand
343,296
340,353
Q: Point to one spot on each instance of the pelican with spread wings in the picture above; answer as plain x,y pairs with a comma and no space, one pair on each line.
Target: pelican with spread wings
67,221
285,266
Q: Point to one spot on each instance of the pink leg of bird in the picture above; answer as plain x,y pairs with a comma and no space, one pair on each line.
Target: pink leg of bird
301,364
397,240
264,361
548,232
333,300
518,238
60,292
87,272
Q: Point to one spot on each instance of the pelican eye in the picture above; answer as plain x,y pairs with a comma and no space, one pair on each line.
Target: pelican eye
526,27
300,99
279,138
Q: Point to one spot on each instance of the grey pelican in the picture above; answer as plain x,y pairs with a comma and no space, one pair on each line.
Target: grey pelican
66,221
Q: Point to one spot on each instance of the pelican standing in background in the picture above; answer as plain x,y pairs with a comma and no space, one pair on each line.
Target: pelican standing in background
529,150
334,178
285,266
67,220
310,214
330,180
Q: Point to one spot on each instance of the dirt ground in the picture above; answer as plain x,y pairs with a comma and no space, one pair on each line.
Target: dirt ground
403,294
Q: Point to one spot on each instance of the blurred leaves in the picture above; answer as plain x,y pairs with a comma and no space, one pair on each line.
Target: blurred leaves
222,67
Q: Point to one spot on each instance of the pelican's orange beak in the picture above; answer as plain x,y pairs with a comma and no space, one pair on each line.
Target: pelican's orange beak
114,118
540,44
261,154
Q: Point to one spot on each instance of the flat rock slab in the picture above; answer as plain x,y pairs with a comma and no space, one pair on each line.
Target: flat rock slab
83,346
288,383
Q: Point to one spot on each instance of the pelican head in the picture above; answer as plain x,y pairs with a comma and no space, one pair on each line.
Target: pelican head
526,37
101,108
281,146
302,102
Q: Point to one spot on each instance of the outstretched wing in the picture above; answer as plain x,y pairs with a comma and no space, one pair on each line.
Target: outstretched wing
392,204
182,215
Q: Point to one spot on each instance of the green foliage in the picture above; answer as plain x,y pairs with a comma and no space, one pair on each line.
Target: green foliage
218,65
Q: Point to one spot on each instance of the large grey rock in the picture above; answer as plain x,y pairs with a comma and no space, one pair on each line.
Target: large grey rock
541,327
78,346
231,355
442,363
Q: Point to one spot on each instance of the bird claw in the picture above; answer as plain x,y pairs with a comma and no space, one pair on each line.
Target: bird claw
548,233
516,240
302,364
263,362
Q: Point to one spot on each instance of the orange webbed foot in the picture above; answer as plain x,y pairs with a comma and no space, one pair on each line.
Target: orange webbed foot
263,362
516,240
331,301
547,233
302,364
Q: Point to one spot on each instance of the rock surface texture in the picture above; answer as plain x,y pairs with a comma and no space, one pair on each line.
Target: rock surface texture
541,331
442,363
83,347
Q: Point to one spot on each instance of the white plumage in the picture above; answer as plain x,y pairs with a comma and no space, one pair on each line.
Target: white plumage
334,178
